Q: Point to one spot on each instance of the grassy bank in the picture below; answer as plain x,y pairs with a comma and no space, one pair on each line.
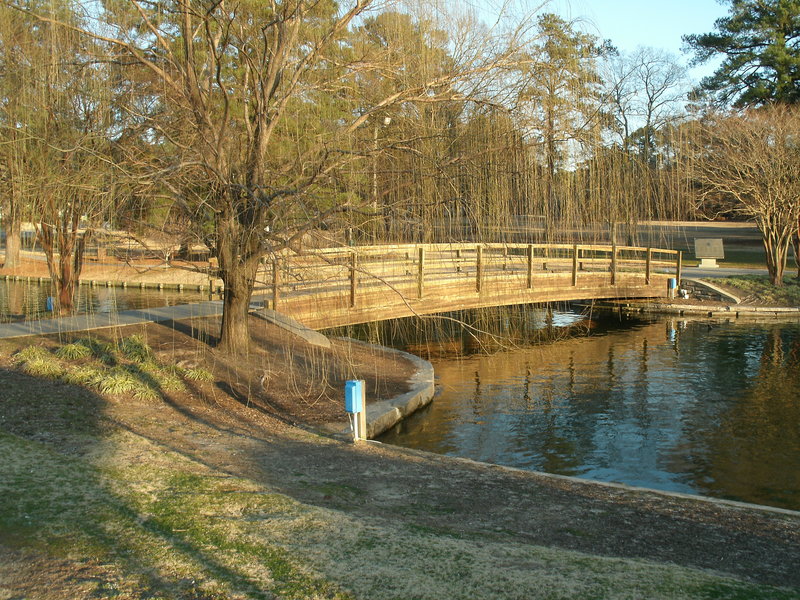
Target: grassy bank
191,494
758,289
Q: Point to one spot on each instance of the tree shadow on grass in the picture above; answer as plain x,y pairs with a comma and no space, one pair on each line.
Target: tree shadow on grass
66,498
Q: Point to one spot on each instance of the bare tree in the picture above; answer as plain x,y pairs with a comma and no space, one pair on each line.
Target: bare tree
751,161
246,110
56,129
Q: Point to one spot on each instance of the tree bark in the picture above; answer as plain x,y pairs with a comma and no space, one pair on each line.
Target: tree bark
235,333
776,254
65,268
13,244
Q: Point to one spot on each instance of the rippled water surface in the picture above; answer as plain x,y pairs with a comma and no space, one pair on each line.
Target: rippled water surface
692,406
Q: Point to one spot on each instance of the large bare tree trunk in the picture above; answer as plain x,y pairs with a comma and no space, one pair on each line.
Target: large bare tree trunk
235,333
13,244
239,253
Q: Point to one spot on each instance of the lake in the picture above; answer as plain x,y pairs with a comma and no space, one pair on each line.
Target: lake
21,300
694,406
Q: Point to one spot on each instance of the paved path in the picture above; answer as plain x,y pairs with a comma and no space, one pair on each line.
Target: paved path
696,272
113,319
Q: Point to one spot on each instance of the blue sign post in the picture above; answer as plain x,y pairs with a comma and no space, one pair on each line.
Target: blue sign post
354,401
672,283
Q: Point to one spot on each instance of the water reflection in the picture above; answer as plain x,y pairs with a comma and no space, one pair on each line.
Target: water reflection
20,300
699,406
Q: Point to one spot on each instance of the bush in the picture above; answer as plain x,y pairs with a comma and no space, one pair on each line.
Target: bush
43,367
121,380
135,349
198,374
100,350
73,351
88,375
31,353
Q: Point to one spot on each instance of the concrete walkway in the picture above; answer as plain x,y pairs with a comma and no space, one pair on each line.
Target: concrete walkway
112,319
720,272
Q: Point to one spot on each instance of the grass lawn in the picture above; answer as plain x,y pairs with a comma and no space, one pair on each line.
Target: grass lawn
759,287
132,494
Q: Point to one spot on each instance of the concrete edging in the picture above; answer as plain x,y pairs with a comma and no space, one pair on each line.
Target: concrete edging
736,311
702,283
385,414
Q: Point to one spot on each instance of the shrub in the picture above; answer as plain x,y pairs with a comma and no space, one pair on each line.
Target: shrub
167,379
87,375
30,353
43,367
121,380
100,350
135,349
198,374
73,351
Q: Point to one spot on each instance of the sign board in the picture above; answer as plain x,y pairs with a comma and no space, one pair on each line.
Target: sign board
708,248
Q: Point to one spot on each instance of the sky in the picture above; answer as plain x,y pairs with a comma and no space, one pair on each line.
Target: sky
655,23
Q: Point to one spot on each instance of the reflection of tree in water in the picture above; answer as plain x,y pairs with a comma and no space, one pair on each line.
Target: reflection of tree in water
473,331
753,449
710,409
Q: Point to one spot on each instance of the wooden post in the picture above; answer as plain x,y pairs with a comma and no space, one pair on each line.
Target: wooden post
647,262
478,268
362,414
575,264
353,278
458,260
276,280
614,265
679,269
421,273
530,266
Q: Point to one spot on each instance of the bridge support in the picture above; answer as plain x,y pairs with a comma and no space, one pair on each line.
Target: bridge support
575,265
478,268
421,273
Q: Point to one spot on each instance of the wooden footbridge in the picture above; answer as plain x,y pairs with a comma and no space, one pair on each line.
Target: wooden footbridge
332,287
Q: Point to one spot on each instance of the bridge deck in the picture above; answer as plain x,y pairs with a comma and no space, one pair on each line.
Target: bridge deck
342,286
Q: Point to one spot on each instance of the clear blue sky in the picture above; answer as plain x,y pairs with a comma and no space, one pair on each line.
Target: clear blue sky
654,23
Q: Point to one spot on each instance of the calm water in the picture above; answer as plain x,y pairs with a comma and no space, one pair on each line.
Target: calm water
23,300
692,406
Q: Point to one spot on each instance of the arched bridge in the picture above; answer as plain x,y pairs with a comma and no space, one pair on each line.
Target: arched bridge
332,287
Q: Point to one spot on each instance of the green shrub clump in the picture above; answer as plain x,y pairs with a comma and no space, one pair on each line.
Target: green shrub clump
128,367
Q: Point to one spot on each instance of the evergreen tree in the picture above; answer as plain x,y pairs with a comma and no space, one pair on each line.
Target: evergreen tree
760,44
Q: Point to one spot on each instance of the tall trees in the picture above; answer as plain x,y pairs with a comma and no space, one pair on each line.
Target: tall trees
246,112
55,126
644,91
16,41
753,159
759,42
560,100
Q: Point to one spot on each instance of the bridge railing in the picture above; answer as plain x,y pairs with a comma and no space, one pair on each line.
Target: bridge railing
414,270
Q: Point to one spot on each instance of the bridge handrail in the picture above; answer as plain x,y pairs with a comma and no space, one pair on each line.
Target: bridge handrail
390,249
324,270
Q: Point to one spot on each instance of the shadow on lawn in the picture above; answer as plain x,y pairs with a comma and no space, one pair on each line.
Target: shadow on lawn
64,501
